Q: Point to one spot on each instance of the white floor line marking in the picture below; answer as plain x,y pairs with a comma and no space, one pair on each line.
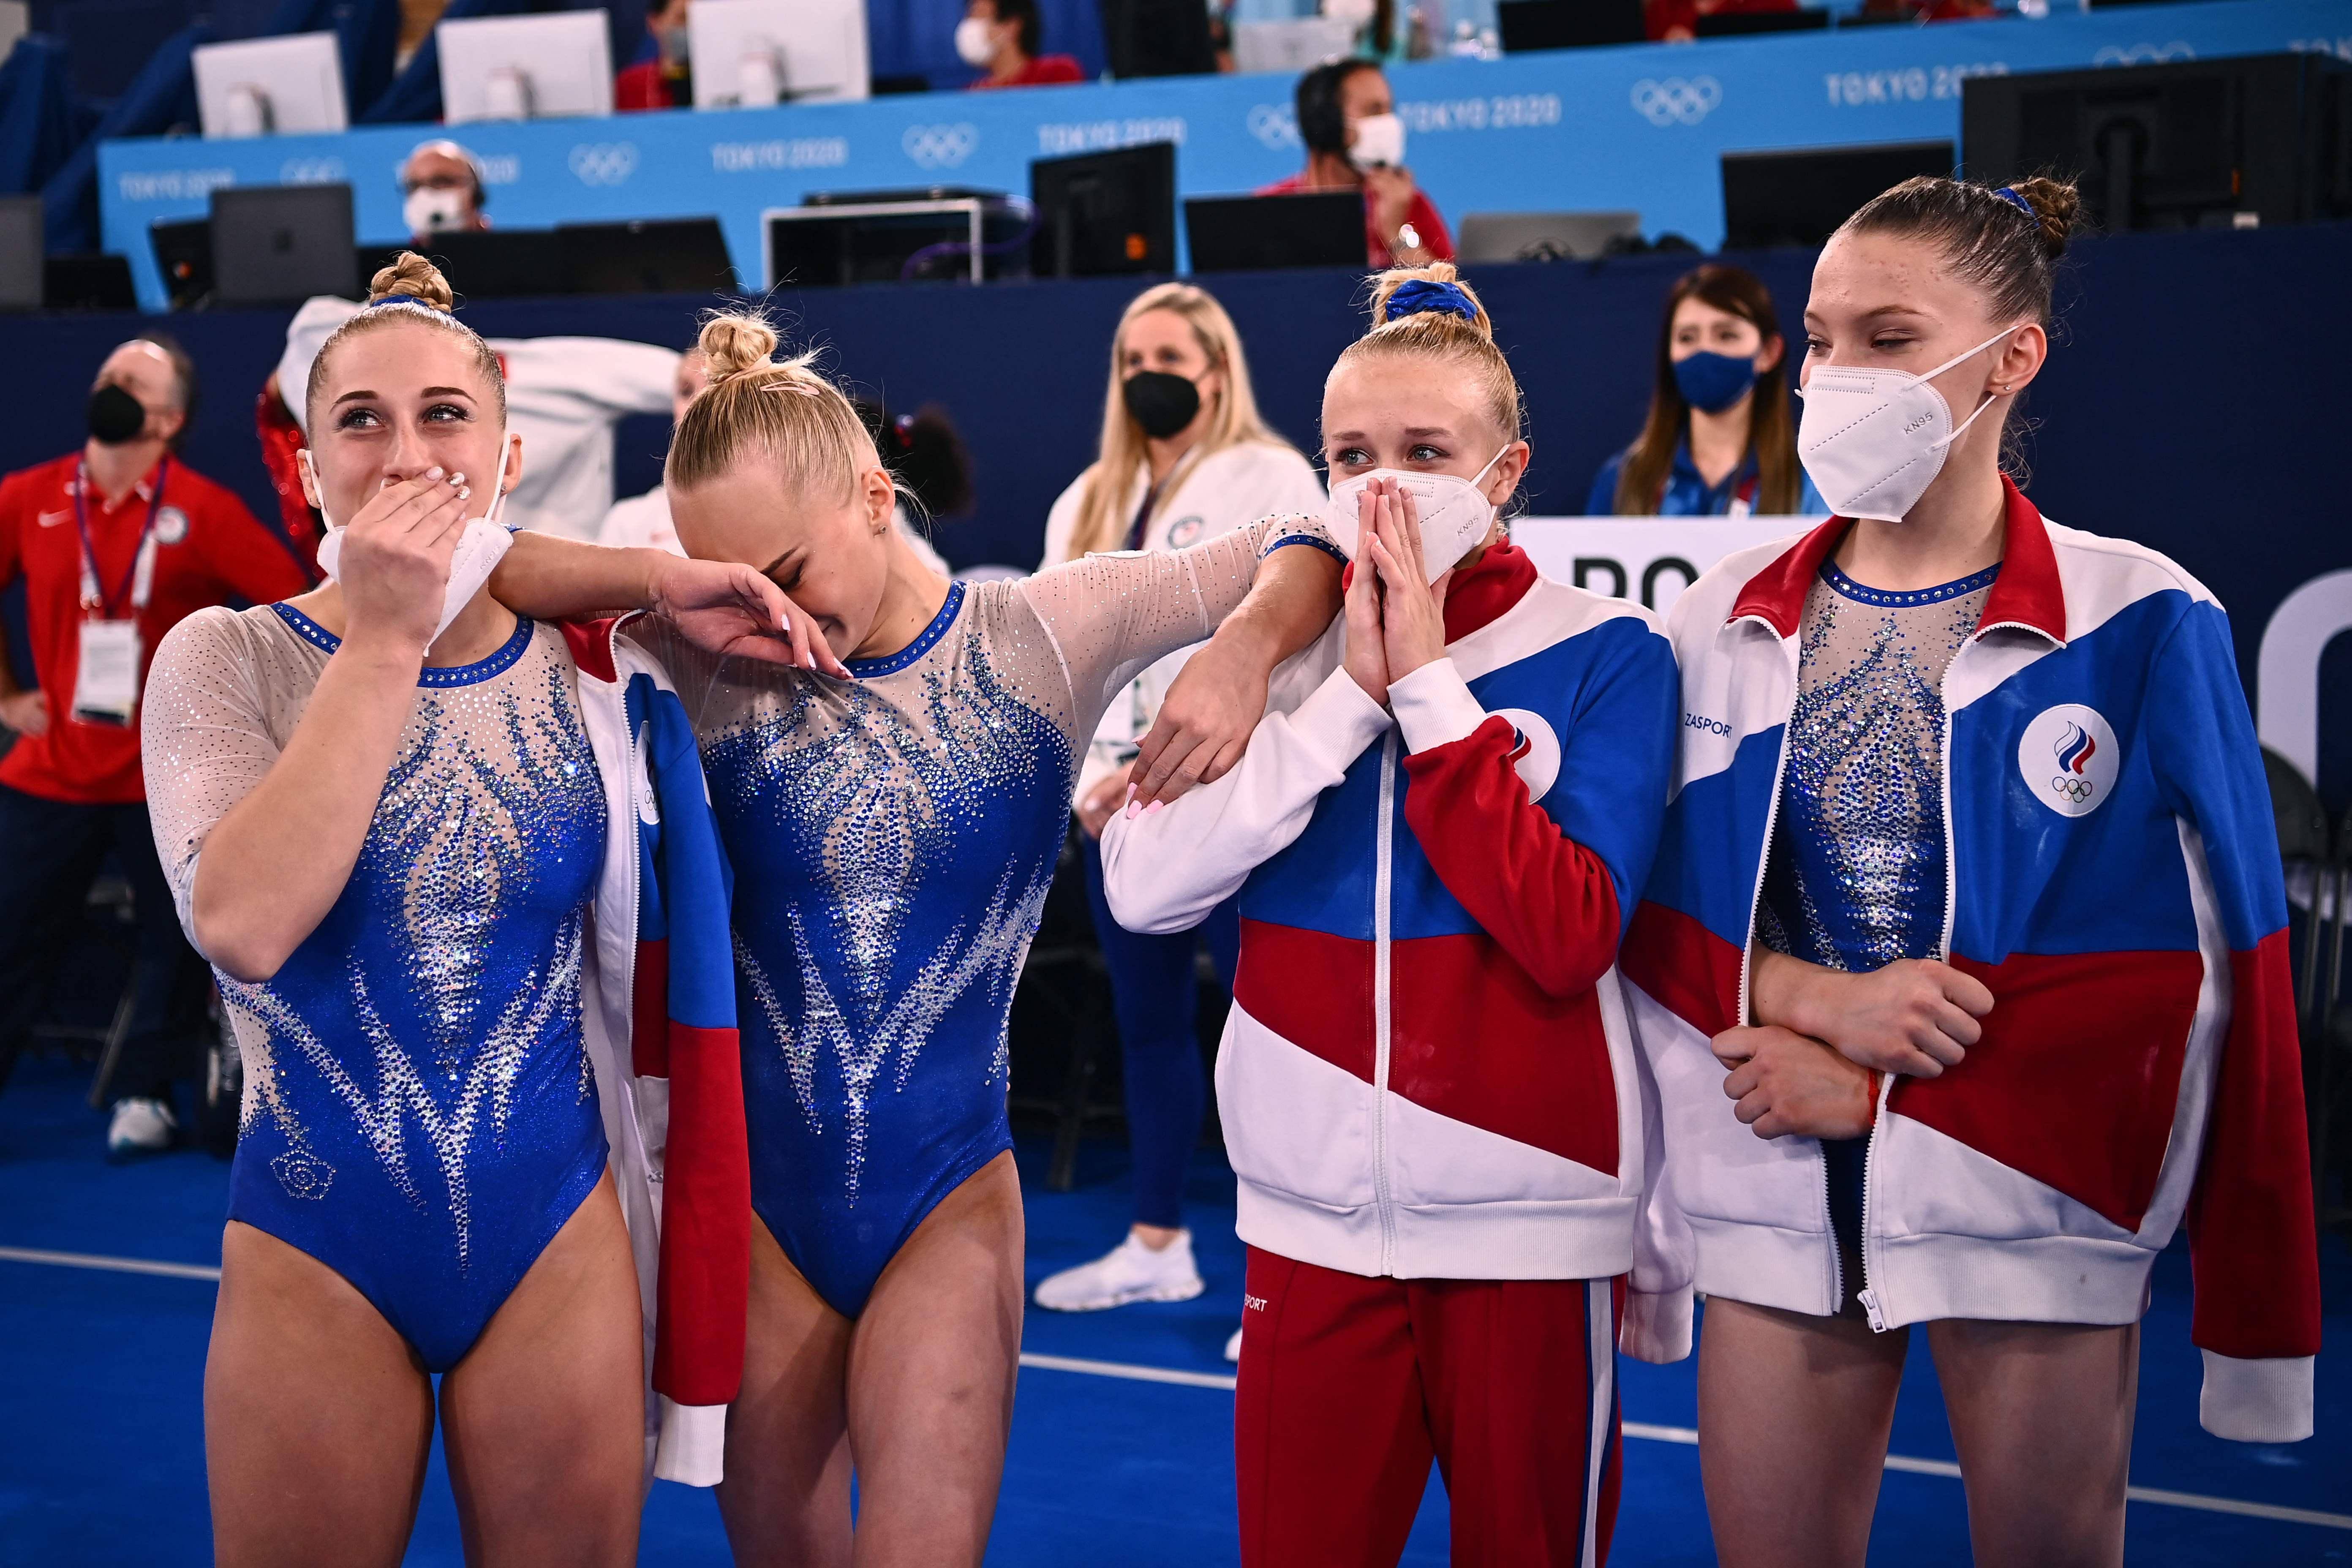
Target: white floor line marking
1134,1374
112,1265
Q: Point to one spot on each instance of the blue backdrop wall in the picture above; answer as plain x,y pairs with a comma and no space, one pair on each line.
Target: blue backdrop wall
1638,127
2184,406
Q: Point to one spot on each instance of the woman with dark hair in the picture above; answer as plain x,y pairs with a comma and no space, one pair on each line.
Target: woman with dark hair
1719,440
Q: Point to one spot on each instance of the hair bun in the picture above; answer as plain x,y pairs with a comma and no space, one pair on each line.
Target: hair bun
413,278
1386,285
2055,203
734,341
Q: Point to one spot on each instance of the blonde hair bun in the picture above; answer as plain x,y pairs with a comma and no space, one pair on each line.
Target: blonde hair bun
1443,295
413,278
735,341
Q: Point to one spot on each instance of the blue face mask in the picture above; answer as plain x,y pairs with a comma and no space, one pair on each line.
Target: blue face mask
1712,382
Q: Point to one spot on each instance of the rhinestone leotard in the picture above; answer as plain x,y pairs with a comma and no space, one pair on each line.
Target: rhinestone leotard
419,1113
893,837
1856,876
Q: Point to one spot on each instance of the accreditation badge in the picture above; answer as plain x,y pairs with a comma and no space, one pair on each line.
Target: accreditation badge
106,687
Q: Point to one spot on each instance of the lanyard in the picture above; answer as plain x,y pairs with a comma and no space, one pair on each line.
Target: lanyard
139,582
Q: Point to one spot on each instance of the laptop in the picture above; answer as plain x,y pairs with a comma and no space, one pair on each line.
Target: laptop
1254,233
279,245
1543,237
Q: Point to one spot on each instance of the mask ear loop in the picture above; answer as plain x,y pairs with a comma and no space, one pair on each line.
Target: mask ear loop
498,481
311,471
1980,408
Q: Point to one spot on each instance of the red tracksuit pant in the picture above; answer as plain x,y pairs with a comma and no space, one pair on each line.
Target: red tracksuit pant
1349,1387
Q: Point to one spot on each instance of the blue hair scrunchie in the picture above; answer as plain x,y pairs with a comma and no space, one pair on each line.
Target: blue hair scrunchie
2019,203
396,300
1416,295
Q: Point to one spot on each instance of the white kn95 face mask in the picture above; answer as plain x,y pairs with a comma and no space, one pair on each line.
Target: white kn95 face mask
1454,512
1873,439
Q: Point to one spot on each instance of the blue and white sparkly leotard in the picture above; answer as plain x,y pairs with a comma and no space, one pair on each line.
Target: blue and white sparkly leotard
1856,875
419,1110
893,837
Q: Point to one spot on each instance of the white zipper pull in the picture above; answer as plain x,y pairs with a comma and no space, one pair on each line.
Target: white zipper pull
1869,1300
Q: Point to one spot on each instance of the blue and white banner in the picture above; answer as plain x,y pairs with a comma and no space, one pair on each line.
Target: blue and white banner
1637,128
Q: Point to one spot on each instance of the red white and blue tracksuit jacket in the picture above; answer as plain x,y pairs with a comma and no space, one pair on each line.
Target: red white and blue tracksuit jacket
1427,1071
2114,881
659,1006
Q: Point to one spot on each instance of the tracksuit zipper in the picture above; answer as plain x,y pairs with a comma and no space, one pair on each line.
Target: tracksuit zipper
1383,859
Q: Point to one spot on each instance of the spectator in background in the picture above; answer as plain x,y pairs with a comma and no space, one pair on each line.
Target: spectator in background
116,543
1347,117
1719,440
1184,458
441,188
1003,38
1676,21
659,78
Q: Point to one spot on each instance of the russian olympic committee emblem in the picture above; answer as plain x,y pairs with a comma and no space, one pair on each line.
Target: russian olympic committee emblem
2068,759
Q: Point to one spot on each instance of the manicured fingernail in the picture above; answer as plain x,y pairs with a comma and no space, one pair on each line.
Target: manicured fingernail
1131,811
465,491
1155,806
457,479
1130,794
433,473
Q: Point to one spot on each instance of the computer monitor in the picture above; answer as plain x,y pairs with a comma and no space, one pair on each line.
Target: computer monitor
895,237
1527,25
525,67
184,257
756,54
265,87
1291,46
278,244
1247,234
1157,38
670,256
1741,24
100,282
487,263
2262,138
20,253
1104,212
1800,197
1543,237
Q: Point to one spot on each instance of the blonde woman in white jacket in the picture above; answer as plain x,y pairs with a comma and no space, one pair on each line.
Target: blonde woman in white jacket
1184,456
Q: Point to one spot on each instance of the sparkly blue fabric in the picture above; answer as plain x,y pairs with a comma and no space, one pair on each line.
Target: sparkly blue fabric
893,839
420,1112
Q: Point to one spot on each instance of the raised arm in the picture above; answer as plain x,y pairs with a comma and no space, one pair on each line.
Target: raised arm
722,606
255,880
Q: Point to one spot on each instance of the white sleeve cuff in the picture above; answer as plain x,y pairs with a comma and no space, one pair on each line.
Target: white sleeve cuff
2265,1401
1656,1328
693,1446
1339,720
1433,708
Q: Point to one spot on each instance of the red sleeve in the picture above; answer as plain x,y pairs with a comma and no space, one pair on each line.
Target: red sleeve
280,439
12,523
1430,227
640,87
244,557
1547,900
1051,70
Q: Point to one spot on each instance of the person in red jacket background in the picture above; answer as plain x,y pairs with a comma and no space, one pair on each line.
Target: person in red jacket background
116,543
659,78
1347,116
1003,38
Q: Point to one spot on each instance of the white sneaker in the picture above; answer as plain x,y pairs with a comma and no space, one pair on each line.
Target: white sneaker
140,1126
1234,1348
1129,1272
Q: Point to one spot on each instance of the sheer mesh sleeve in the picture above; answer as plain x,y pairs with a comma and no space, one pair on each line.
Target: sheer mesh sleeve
206,736
692,669
1110,615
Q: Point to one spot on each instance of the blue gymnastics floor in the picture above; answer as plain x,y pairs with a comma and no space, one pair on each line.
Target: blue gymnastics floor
101,1458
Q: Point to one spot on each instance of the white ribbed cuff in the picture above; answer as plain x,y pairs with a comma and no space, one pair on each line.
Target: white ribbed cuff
1339,720
1656,1328
2266,1401
693,1446
1433,708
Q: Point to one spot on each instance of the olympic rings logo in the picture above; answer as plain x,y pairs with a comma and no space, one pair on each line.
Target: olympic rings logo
2143,54
603,163
941,146
2071,789
1274,124
1676,101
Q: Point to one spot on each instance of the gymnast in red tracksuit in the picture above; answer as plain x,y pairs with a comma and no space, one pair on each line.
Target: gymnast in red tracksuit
1427,1086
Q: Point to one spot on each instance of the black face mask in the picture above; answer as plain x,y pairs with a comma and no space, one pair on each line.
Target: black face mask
1163,404
115,417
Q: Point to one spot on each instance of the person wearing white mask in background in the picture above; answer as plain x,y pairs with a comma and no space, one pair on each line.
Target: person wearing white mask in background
1428,1084
563,397
441,189
1001,38
1348,119
662,76
1963,973
1184,456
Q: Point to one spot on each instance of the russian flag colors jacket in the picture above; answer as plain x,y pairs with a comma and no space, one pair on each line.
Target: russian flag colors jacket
2114,881
1427,1071
659,1008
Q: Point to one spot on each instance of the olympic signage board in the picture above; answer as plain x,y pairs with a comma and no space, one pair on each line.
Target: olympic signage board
1639,128
1649,559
